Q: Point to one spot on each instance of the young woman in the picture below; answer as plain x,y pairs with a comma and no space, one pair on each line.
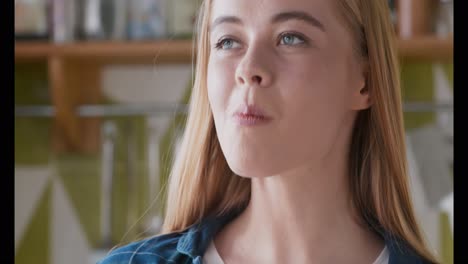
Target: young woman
294,147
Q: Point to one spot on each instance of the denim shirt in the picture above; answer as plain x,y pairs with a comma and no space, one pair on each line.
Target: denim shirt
189,246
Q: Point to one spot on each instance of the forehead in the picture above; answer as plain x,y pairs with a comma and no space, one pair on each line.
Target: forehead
260,11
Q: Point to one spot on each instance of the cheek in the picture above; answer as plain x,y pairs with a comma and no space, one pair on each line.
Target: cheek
217,87
315,105
220,85
316,87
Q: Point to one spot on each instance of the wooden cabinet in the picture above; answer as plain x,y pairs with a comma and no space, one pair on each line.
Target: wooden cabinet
75,69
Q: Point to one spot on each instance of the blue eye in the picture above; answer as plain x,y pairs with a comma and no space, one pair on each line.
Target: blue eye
291,39
226,44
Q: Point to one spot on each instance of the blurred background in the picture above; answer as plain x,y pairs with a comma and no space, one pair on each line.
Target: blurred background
101,88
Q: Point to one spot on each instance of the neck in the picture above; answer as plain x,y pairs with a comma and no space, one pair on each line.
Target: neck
300,216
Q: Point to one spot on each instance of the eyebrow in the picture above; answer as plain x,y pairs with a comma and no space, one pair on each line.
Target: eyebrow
280,17
225,19
298,15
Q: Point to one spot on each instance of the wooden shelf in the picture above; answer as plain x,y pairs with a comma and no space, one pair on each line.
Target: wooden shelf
163,51
32,50
180,51
426,49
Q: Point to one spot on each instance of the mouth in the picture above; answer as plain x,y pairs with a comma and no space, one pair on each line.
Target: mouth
251,115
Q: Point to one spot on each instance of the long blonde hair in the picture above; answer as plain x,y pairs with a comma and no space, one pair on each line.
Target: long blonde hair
201,182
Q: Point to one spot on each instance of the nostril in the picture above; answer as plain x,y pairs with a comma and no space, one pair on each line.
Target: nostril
257,79
254,79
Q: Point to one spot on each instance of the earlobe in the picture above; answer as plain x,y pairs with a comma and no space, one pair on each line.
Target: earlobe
364,92
366,97
362,99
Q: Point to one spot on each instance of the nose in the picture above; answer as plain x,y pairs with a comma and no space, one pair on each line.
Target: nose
254,68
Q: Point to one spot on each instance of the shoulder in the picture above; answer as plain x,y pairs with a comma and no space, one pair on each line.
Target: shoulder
401,252
158,249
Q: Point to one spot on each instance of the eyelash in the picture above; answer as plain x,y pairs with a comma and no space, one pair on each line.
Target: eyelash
301,37
219,44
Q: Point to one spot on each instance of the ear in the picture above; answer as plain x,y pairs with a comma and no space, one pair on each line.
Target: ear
361,96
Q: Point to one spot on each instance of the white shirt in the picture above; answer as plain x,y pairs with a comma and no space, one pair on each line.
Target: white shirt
212,257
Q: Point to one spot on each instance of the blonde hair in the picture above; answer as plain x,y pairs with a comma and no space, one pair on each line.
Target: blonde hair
202,184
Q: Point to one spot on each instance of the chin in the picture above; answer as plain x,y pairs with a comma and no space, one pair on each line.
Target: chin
252,168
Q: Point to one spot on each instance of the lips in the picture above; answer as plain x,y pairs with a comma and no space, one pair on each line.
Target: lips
251,115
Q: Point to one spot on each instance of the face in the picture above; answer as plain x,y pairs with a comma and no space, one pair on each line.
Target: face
283,83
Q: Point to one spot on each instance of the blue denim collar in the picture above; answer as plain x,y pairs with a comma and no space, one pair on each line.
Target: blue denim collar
197,238
195,241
